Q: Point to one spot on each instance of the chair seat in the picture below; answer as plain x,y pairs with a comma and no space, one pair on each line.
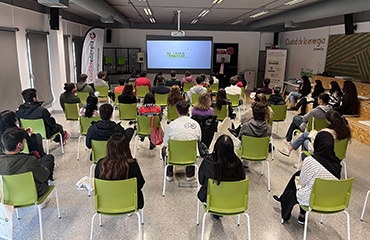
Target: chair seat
181,164
237,151
324,210
40,200
225,212
52,137
109,212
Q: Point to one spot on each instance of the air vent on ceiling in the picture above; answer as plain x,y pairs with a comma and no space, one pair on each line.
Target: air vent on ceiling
54,3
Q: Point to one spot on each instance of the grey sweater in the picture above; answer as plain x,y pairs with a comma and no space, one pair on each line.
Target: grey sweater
255,128
317,112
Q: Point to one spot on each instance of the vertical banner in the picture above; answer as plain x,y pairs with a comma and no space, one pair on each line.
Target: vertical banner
92,53
275,67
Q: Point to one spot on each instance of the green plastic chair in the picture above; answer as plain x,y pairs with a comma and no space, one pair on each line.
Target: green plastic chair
99,150
313,123
25,148
194,98
329,197
127,112
103,92
85,123
38,126
363,209
227,199
214,87
279,115
234,101
161,99
254,149
221,114
115,198
71,113
171,113
181,153
20,191
267,96
143,129
83,96
187,87
340,149
141,91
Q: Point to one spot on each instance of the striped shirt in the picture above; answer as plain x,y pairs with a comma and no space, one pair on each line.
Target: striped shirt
311,170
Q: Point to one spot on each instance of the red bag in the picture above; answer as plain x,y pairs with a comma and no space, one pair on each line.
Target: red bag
156,136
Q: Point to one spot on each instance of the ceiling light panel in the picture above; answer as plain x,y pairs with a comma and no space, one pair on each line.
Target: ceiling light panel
236,22
217,1
194,21
203,13
148,12
292,2
152,20
258,14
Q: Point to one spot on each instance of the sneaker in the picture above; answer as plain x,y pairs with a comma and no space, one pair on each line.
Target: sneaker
215,217
286,142
142,139
276,198
301,219
169,179
65,138
129,215
246,167
152,146
190,178
233,132
284,151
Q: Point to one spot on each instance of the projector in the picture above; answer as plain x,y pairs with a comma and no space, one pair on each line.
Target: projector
54,3
178,34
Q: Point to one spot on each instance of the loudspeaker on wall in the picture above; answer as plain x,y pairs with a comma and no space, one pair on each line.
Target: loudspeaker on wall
348,24
54,18
276,38
108,36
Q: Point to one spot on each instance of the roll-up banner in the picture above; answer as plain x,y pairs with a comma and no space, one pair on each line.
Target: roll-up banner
92,53
275,67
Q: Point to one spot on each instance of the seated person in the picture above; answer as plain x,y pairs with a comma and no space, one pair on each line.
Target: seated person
337,127
122,83
302,90
150,109
276,98
222,100
133,77
173,80
91,109
32,109
160,88
314,95
241,79
221,165
212,78
348,104
174,96
155,81
100,82
335,93
197,89
142,81
257,126
324,164
187,79
82,86
125,166
179,130
265,89
69,96
127,95
104,128
233,89
15,162
203,106
301,122
205,82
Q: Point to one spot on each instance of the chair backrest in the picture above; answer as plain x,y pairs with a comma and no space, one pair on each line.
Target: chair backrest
71,111
187,86
214,87
331,195
37,125
127,111
19,189
102,90
161,99
99,150
194,98
243,91
25,148
172,113
228,198
143,125
340,148
85,123
267,96
115,196
234,99
319,123
83,96
182,152
141,91
279,112
221,114
254,148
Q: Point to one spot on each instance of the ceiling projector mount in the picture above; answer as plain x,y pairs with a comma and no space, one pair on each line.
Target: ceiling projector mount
178,33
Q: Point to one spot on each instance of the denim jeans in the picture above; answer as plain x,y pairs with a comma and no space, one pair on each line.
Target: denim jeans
303,141
297,120
292,97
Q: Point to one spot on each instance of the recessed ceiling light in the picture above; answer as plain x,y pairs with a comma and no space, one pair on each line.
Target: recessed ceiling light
152,20
258,14
292,2
236,22
217,1
194,21
148,11
203,13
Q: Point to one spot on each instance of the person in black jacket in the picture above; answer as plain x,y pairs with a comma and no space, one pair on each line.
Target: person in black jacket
160,88
173,80
221,165
103,129
302,90
315,95
275,98
124,165
349,104
32,109
127,95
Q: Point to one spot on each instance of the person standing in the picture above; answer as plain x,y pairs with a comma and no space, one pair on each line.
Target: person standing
221,73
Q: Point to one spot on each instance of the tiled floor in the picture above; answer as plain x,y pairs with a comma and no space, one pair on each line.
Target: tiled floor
174,216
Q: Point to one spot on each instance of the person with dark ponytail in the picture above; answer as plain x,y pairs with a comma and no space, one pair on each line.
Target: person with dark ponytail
91,109
119,164
335,94
349,104
69,96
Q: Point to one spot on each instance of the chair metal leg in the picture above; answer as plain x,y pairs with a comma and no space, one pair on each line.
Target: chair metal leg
363,210
78,148
16,211
164,179
272,148
277,128
142,216
100,220
198,213
139,225
204,221
305,225
92,226
92,165
196,174
61,143
40,219
238,220
85,142
262,169
47,146
249,226
268,175
322,218
136,142
345,169
57,200
348,229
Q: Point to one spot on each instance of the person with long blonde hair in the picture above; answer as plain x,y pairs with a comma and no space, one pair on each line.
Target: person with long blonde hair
119,164
203,106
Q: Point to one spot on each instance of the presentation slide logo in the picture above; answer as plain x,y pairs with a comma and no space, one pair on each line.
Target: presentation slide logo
179,54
